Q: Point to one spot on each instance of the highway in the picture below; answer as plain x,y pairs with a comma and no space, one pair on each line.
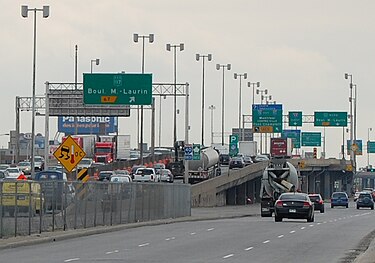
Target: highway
333,237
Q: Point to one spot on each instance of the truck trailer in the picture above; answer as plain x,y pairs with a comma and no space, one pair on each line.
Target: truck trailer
207,167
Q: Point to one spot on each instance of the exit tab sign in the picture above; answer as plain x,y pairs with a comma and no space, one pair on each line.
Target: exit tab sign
117,89
333,119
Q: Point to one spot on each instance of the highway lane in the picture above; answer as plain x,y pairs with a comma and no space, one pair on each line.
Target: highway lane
252,239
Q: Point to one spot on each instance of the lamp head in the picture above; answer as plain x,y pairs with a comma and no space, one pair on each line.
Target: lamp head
97,61
182,46
24,11
45,11
169,47
151,38
346,75
228,67
258,84
209,57
217,66
235,75
135,38
245,75
197,57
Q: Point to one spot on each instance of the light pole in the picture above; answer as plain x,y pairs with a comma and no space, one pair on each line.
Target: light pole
261,92
352,158
244,75
150,38
253,85
97,61
212,108
181,47
209,58
228,67
368,143
1,152
24,12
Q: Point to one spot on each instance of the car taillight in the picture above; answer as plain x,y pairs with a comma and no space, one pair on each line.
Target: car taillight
321,202
306,204
279,203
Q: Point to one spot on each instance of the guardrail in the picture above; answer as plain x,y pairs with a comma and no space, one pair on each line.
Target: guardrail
29,207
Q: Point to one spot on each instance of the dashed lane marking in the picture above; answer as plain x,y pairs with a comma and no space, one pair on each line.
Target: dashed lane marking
144,244
303,228
210,229
265,242
71,259
111,252
281,236
249,248
193,233
293,231
228,256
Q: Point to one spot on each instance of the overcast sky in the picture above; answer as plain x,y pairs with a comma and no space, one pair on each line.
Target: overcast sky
298,50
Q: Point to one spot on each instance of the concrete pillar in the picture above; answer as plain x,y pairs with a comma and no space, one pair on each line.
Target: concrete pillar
327,185
231,196
241,194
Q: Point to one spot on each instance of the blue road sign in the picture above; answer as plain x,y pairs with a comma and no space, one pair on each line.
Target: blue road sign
188,152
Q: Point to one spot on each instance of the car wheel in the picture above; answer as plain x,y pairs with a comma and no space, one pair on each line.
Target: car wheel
278,219
332,206
322,210
311,219
347,206
372,207
357,207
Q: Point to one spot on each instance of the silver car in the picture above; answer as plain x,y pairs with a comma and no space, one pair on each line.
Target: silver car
166,175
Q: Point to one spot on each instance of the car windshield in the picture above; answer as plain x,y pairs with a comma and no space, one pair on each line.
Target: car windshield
24,164
85,161
12,170
293,197
105,174
119,179
144,171
364,195
338,195
314,197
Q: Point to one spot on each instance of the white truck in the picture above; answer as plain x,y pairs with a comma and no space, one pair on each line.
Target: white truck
123,147
207,167
279,177
247,148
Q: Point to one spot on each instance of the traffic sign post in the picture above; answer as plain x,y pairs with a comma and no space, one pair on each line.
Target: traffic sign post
69,154
233,145
295,118
267,118
124,89
312,139
196,151
188,152
335,119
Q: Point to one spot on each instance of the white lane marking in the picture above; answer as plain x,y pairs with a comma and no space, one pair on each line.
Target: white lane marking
144,244
335,220
318,223
210,229
170,238
303,228
249,248
330,221
265,242
340,218
325,222
111,252
280,236
71,259
292,231
228,256
311,225
193,233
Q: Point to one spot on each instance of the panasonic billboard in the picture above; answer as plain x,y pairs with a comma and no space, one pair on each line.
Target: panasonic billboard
86,125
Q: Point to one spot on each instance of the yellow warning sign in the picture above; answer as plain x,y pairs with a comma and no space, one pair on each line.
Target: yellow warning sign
69,153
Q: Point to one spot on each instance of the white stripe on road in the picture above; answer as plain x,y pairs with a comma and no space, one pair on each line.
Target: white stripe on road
210,229
303,228
265,242
170,238
144,244
292,231
71,259
311,225
280,236
111,252
249,248
193,233
318,223
228,256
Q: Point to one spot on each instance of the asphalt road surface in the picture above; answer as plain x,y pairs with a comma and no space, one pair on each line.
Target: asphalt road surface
331,238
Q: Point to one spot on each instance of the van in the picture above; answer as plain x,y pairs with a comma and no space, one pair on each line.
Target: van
22,191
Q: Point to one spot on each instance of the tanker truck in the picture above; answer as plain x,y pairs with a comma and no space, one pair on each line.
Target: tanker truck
205,168
280,176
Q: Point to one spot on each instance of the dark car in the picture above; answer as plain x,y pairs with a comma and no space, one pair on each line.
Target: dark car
295,206
105,175
365,200
339,199
53,187
224,159
236,162
318,202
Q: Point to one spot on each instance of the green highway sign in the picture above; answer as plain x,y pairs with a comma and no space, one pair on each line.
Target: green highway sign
267,118
338,119
117,89
295,118
295,135
370,147
311,139
196,151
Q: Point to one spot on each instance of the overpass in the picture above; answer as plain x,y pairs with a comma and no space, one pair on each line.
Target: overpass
322,176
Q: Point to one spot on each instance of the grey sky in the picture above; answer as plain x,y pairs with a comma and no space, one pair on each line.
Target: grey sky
298,50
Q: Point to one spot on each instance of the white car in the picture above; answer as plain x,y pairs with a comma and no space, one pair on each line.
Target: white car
84,163
146,175
13,172
166,175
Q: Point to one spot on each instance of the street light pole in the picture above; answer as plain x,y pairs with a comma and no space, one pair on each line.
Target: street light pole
368,143
150,37
244,75
212,108
265,91
223,66
24,12
209,58
346,75
253,84
97,61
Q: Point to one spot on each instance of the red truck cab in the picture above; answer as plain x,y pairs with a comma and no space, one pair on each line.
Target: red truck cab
104,152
